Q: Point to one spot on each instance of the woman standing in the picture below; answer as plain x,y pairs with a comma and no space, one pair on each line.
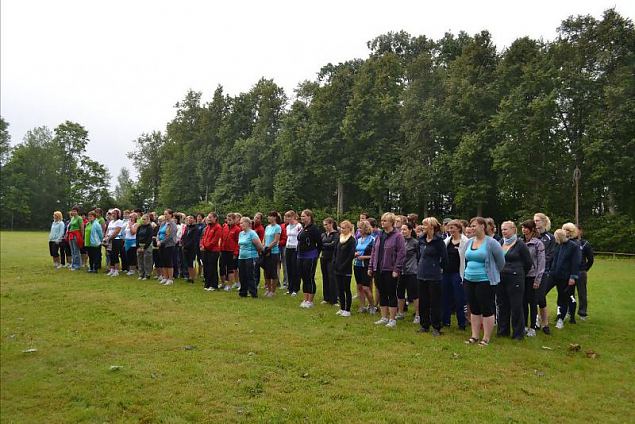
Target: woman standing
271,253
94,237
543,225
144,248
586,262
76,238
190,241
434,259
291,251
408,278
330,238
130,242
565,269
534,276
166,239
386,263
484,260
114,237
452,289
309,247
511,290
56,236
210,249
342,262
363,250
249,248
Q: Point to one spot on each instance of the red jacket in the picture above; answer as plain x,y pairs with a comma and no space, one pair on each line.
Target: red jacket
234,233
229,241
260,230
283,236
211,238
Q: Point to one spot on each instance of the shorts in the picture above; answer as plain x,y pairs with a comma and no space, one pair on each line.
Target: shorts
54,249
409,283
361,275
481,297
189,256
270,265
165,253
228,263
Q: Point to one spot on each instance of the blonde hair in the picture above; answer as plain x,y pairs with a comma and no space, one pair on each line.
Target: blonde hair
161,218
544,218
571,229
291,214
346,224
560,235
58,215
510,223
455,222
364,227
389,216
433,222
245,219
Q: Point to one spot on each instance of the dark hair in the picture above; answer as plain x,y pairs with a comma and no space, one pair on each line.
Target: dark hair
489,222
330,220
365,214
372,222
98,210
200,215
411,227
531,226
170,212
481,221
75,208
276,215
413,218
138,211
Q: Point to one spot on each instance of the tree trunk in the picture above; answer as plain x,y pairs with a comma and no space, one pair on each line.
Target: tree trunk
340,198
479,209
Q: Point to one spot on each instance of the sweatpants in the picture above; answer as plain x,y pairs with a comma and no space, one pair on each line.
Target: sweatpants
580,287
94,257
430,311
530,307
329,284
565,296
246,275
210,268
344,289
510,294
453,295
387,286
307,274
144,262
293,279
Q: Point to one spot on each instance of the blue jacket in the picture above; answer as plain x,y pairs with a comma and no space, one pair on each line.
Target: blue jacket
566,261
96,234
494,261
433,257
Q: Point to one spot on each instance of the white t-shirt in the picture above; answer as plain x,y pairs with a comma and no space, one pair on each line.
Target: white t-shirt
292,235
127,233
112,226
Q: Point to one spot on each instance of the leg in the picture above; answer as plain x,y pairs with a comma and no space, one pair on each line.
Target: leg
516,296
424,304
447,296
502,301
214,265
582,294
326,290
391,294
436,309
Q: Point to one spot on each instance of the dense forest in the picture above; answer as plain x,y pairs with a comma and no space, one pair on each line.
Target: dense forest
451,127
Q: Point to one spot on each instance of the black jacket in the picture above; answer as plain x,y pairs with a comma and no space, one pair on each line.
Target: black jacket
587,255
566,261
518,260
549,241
309,239
344,255
191,238
144,236
329,241
433,257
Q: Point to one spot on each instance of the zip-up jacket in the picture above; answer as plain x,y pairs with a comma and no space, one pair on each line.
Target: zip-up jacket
394,248
411,262
537,252
549,241
433,257
586,255
343,256
566,261
309,239
144,236
211,238
518,260
191,238
329,241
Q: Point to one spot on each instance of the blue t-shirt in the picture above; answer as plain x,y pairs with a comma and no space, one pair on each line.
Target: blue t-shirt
475,270
270,233
364,247
162,232
245,243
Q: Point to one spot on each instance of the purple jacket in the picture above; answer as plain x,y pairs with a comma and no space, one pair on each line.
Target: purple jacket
394,253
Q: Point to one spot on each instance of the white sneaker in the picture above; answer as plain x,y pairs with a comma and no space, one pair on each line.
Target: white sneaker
140,278
560,324
531,332
303,304
236,286
110,272
339,312
294,294
392,323
381,321
346,313
309,305
115,274
227,288
169,283
163,280
417,319
372,310
324,302
143,279
130,273
362,309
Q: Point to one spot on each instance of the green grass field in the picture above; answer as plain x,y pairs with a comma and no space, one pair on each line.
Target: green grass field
187,355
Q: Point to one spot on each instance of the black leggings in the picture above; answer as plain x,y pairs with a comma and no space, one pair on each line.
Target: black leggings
530,307
131,256
94,257
307,274
293,276
116,252
344,289
565,294
387,286
210,268
430,310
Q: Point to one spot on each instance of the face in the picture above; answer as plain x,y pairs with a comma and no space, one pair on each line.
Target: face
229,221
258,219
526,231
469,232
287,219
419,230
477,229
362,217
199,219
540,224
91,218
398,223
244,225
507,230
405,231
452,229
271,220
386,224
306,219
190,220
73,213
145,219
211,219
427,228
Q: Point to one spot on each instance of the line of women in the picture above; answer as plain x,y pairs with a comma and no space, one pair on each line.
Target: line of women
457,269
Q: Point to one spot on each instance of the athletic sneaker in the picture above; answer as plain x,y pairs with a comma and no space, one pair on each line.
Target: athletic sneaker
144,278
381,321
163,280
560,324
169,283
115,274
354,297
583,317
294,294
339,312
417,320
362,309
130,273
435,332
236,286
400,316
109,273
538,321
324,302
309,305
303,304
392,323
140,277
346,313
531,332
372,310
228,288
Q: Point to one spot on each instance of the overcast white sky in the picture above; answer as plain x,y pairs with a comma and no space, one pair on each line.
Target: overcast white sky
118,67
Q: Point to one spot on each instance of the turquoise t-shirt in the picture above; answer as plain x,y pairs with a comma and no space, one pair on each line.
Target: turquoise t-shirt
245,243
270,233
475,270
364,247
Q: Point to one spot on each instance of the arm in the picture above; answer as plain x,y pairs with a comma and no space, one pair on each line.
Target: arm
256,241
318,238
526,258
373,258
400,258
575,264
588,254
497,253
540,261
443,260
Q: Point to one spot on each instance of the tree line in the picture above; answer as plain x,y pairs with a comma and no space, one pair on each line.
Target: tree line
447,127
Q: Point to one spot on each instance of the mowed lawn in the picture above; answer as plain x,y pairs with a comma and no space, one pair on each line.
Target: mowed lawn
187,355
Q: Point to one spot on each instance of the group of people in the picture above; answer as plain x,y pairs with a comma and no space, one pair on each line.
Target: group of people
440,269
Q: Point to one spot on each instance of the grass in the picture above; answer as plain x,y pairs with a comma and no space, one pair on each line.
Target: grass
187,355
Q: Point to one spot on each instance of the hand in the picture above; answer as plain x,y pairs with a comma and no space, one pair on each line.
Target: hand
571,282
356,254
370,273
395,274
536,284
